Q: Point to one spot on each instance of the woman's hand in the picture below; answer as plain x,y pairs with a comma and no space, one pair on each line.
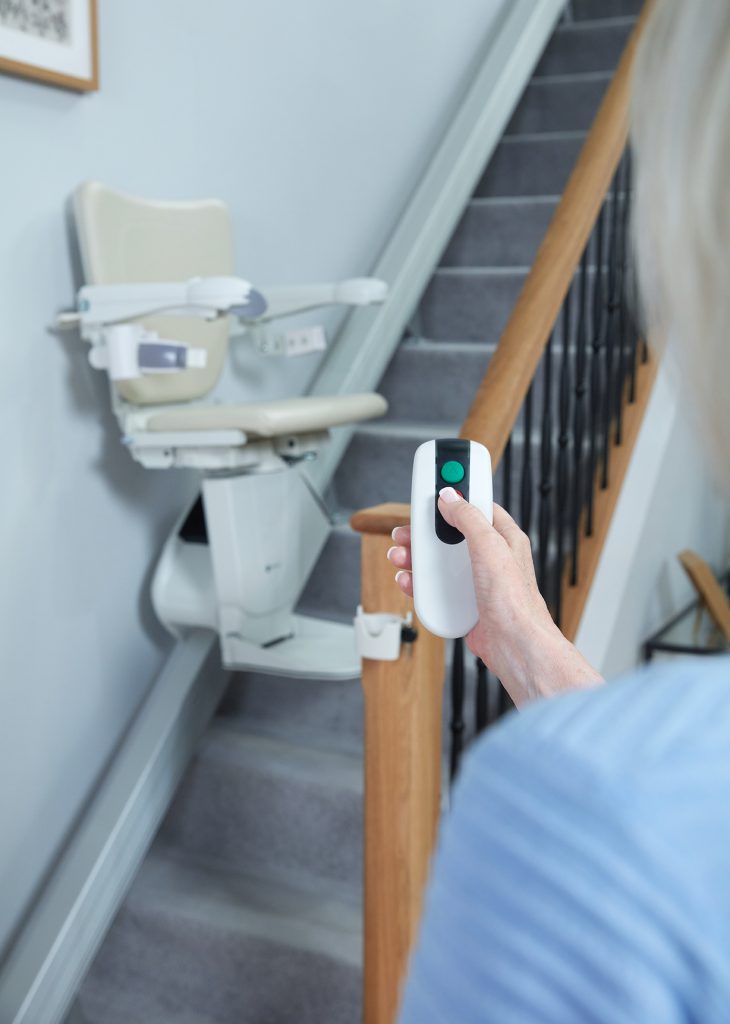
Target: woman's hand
515,636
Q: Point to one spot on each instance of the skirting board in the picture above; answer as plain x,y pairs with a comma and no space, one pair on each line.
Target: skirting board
70,918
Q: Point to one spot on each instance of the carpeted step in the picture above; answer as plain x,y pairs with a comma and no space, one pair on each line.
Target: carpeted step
321,713
560,103
585,46
433,380
378,464
253,800
499,232
430,381
588,10
534,165
193,945
471,304
333,589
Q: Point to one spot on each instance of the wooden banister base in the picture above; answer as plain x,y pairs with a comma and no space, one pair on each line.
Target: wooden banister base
403,701
381,519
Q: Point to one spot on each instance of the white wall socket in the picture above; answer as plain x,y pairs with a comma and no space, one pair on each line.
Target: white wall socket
302,340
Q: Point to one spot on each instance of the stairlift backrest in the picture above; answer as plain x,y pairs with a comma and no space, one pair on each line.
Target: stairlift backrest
125,240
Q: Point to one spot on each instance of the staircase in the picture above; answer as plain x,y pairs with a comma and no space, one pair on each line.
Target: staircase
247,908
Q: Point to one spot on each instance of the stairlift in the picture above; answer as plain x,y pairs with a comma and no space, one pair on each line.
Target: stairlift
155,311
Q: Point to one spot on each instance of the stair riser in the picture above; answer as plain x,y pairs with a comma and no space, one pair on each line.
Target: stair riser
476,305
377,467
589,10
530,167
317,710
237,811
427,386
558,106
333,591
469,306
580,48
436,385
162,967
499,234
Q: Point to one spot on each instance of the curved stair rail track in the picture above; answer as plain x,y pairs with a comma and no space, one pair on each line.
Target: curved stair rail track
559,409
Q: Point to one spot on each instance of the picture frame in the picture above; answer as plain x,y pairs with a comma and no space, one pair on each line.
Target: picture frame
53,42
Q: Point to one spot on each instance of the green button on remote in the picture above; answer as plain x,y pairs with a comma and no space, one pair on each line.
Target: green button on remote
452,472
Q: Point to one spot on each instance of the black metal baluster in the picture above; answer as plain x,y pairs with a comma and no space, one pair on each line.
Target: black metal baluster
630,282
457,706
482,696
546,469
621,298
507,475
504,701
526,483
599,320
579,413
611,308
563,439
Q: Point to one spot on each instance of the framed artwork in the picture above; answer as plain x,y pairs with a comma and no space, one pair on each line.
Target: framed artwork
54,41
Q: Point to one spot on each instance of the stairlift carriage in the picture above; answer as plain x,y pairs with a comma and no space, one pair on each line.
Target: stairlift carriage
155,311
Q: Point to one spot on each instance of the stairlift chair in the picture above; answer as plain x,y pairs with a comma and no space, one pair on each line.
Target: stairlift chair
156,311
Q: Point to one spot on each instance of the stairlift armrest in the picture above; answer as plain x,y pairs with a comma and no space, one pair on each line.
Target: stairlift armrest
204,297
283,300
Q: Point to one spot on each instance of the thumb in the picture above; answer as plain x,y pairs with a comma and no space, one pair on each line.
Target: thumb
467,519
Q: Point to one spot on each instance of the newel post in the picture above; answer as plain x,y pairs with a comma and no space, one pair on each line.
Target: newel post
403,701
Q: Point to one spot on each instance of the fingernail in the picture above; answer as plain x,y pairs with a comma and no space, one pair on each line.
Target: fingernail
448,494
399,574
392,533
389,552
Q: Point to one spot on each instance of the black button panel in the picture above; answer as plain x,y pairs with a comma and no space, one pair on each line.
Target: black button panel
450,450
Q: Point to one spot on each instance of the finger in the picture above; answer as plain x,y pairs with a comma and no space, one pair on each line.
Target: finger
501,518
402,535
400,557
467,518
517,541
505,525
405,582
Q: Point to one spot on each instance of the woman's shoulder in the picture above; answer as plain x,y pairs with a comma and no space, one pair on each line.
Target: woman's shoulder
653,714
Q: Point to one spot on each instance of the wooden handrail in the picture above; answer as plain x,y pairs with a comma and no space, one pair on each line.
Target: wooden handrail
502,393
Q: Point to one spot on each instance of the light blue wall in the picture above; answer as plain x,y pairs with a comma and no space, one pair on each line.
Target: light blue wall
313,121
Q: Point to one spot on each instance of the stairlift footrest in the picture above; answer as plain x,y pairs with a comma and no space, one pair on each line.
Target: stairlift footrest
315,649
186,439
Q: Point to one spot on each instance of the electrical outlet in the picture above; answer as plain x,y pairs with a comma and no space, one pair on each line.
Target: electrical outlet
302,340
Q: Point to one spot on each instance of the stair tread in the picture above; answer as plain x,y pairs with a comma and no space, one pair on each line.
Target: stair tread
569,78
193,945
339,769
252,903
592,24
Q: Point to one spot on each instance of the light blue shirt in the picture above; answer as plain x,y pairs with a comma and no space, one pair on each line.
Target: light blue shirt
583,874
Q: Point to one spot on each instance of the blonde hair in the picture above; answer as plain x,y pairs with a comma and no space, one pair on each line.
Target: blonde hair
680,128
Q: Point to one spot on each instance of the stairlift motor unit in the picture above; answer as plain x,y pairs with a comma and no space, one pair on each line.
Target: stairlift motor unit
443,588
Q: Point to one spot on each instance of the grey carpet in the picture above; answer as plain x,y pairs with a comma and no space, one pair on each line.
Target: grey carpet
247,909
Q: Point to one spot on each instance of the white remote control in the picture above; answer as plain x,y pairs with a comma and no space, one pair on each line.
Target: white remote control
443,590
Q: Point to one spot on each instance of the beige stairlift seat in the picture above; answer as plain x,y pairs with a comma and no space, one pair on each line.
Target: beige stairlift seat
124,240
